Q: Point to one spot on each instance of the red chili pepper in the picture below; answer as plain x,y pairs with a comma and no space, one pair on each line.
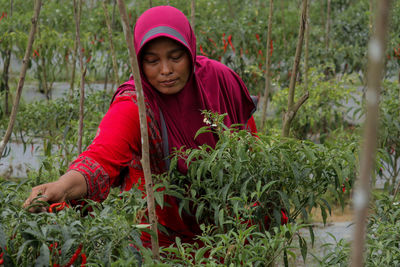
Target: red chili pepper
212,41
260,66
343,188
56,265
258,37
35,53
225,42
58,206
1,258
88,59
201,51
230,43
74,257
260,52
83,256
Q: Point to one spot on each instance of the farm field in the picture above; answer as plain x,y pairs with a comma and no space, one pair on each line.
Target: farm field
290,195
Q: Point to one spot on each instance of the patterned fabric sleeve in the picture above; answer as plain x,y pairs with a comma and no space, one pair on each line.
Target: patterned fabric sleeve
97,180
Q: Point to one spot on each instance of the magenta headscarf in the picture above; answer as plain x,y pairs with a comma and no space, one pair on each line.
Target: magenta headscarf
211,86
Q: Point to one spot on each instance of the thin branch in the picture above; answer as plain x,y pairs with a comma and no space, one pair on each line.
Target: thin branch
288,117
83,73
306,48
328,24
25,62
110,37
376,53
193,9
267,66
143,129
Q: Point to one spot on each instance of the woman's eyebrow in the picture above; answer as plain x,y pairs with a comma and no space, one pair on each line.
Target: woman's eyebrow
154,53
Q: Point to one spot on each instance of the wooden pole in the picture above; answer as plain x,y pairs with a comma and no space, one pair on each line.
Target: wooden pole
294,107
83,72
143,129
328,24
110,37
193,9
376,59
306,48
267,66
25,61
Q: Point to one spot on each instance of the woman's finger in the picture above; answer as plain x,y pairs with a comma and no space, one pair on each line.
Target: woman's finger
37,200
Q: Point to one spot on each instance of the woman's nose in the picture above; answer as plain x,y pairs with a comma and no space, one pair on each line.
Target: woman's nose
166,68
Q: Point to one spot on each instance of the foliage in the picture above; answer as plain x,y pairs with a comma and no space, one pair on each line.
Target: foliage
325,110
389,135
107,234
383,242
252,179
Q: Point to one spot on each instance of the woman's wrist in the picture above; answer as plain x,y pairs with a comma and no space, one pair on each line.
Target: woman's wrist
73,184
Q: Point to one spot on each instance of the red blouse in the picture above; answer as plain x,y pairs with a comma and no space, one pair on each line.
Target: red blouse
113,159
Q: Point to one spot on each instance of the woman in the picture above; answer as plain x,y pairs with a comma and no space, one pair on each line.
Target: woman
177,86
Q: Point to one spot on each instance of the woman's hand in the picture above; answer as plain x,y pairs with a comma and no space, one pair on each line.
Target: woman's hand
71,185
50,192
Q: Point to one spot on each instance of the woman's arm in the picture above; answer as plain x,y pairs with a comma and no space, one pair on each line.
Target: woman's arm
98,168
71,185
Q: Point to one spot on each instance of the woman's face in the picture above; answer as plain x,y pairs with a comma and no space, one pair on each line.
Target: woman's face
166,65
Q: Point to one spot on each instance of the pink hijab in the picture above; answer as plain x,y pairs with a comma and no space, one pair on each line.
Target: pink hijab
211,86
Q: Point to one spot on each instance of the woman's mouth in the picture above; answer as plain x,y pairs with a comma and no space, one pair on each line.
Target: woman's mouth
169,83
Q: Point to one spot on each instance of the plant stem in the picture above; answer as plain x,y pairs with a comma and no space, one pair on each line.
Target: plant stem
292,107
267,66
143,129
77,15
114,59
28,52
376,52
192,13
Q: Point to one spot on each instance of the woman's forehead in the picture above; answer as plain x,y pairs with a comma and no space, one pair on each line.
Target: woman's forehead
162,44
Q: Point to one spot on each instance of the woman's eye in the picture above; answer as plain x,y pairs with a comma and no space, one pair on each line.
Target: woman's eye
150,60
177,56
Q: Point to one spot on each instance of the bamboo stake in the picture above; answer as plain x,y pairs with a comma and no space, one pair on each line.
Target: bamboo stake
77,15
71,88
6,69
114,60
294,107
306,48
192,21
143,129
328,24
21,81
268,66
376,52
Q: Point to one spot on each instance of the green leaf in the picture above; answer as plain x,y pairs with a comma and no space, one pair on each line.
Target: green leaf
311,230
67,246
44,257
199,210
221,217
303,247
200,254
159,197
323,213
